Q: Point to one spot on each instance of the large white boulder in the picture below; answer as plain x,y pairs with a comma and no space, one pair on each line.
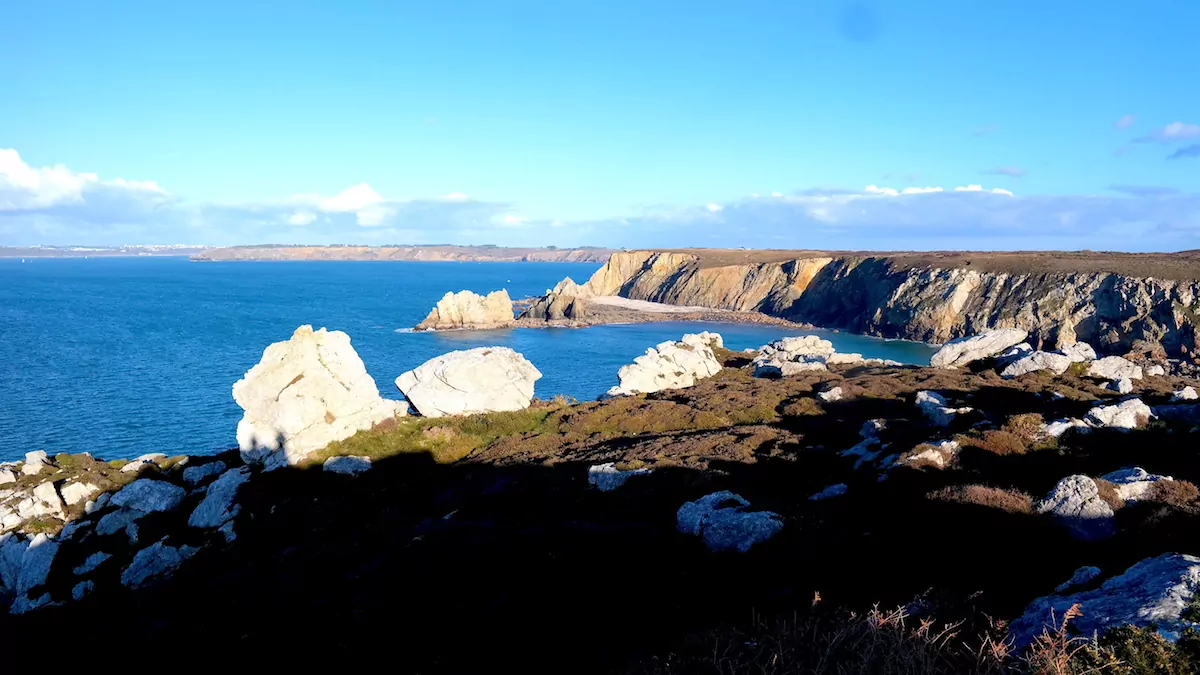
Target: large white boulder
484,379
1114,368
304,394
1075,501
936,409
1080,352
964,350
1135,483
1129,414
721,520
1035,361
467,310
668,365
1156,591
148,495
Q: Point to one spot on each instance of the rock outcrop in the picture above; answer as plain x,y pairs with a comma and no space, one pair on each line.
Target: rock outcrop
668,365
304,394
722,521
484,379
1075,501
466,310
966,350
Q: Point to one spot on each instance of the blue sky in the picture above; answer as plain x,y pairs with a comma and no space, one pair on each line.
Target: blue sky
613,123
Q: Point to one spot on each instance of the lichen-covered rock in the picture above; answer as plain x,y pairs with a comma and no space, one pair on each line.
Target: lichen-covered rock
218,505
304,394
484,379
965,350
607,477
1129,414
936,409
154,561
1035,361
1133,484
1075,501
149,495
668,365
349,465
1114,368
720,519
471,311
1154,592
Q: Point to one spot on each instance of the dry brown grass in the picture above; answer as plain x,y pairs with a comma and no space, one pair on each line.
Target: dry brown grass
802,407
1026,426
996,441
1108,492
1174,492
1007,500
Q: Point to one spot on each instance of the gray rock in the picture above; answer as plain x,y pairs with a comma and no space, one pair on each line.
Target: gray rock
349,465
965,350
228,531
1081,576
1059,427
1114,368
25,563
721,520
607,477
1121,386
1080,352
1036,361
1154,592
121,519
218,505
69,530
1133,484
194,475
149,495
1125,415
935,408
92,562
1075,501
831,491
94,506
484,379
24,603
82,590
155,561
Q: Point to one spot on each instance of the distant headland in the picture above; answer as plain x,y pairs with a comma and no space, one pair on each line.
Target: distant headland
434,253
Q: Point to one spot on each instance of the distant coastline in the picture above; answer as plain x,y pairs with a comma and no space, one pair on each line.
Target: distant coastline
157,251
404,253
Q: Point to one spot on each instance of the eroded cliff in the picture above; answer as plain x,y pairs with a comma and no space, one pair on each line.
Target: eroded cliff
913,297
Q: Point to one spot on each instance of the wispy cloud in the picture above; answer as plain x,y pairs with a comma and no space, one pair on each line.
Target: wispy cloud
1144,190
1186,152
1175,132
1125,121
1012,171
985,130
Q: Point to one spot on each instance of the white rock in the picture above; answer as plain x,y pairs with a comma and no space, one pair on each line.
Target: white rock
42,501
7,476
607,477
73,493
776,368
36,558
939,453
668,365
1080,352
194,475
965,350
865,452
934,406
1081,576
156,560
34,462
704,339
1156,591
831,491
830,395
843,359
468,310
484,379
1121,386
1155,370
148,495
1127,415
92,562
1186,394
1035,361
1114,368
218,505
798,348
1076,502
349,465
140,464
304,394
721,521
82,589
1133,484
1059,427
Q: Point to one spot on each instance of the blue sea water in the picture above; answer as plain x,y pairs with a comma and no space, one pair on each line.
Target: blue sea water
124,356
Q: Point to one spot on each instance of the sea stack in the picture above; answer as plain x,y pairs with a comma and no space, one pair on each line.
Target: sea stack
466,310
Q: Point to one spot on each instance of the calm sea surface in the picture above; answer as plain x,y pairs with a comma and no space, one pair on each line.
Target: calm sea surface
124,356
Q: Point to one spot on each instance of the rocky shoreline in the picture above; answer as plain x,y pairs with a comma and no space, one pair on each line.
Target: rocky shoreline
705,483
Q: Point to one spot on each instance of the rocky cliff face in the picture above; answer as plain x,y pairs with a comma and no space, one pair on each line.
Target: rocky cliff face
889,297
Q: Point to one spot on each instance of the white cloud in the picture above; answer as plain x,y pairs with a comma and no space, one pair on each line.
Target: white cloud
920,190
514,220
714,207
1174,132
301,218
776,194
25,187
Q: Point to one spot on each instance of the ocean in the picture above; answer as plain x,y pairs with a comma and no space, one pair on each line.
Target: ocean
124,356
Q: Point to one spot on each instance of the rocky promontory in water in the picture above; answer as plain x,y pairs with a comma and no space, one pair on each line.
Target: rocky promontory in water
1119,303
789,509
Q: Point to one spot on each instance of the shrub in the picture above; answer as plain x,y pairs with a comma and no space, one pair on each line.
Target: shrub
997,442
1174,492
802,407
1108,492
1026,426
1007,500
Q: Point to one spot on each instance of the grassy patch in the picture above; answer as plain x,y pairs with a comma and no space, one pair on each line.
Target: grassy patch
1009,501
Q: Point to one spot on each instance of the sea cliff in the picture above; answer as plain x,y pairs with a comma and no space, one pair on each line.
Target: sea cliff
1117,302
409,253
